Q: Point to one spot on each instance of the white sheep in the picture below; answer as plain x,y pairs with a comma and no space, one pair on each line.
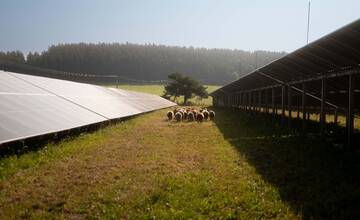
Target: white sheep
206,114
211,115
200,117
185,115
195,112
191,116
178,116
170,115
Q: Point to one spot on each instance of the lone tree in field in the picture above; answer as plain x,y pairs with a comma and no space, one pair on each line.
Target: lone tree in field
181,85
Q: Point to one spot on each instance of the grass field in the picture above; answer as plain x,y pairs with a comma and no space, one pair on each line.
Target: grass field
237,167
159,90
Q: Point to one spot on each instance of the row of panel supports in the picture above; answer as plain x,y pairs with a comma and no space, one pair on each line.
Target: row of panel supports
252,101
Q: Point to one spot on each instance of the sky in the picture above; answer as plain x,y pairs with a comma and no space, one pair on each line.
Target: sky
277,25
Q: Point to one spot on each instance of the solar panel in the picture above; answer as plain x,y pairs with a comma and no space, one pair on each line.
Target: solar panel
118,103
26,111
32,105
336,52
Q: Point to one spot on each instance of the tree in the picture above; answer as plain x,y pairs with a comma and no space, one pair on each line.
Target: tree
181,85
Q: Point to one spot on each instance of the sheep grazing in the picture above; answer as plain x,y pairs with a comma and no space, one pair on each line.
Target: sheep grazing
185,115
206,114
178,116
170,115
211,115
194,112
200,117
182,113
191,116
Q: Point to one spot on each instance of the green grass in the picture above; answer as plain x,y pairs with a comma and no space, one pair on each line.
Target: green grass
13,163
152,89
237,167
159,90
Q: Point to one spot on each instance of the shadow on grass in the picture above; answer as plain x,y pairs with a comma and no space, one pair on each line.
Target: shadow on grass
318,179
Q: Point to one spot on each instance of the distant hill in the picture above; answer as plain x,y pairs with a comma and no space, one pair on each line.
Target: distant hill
150,62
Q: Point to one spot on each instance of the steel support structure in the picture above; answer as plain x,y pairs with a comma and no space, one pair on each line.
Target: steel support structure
322,106
266,101
259,103
282,105
336,116
350,111
273,104
303,107
289,106
298,94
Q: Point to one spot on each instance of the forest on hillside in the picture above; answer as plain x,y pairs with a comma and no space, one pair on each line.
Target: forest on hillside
147,62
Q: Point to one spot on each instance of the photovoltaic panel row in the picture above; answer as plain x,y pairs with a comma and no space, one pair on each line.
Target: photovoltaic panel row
27,111
335,53
143,101
110,103
32,105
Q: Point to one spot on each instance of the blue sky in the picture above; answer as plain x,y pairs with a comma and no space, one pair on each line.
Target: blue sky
236,24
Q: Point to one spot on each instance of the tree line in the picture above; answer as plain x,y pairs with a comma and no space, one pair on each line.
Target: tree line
147,62
12,56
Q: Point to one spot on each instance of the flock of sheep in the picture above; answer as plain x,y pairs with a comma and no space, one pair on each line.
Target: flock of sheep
190,114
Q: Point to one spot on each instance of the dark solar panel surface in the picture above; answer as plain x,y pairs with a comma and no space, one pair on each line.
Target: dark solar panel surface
32,106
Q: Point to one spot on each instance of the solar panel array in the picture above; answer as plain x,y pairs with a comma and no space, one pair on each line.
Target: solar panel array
321,77
33,106
332,56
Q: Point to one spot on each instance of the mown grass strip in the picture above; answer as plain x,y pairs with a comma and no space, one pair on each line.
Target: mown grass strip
54,151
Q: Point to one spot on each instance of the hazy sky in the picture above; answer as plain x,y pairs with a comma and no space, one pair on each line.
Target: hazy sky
237,24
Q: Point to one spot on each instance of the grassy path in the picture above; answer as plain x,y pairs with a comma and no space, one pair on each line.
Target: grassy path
148,168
